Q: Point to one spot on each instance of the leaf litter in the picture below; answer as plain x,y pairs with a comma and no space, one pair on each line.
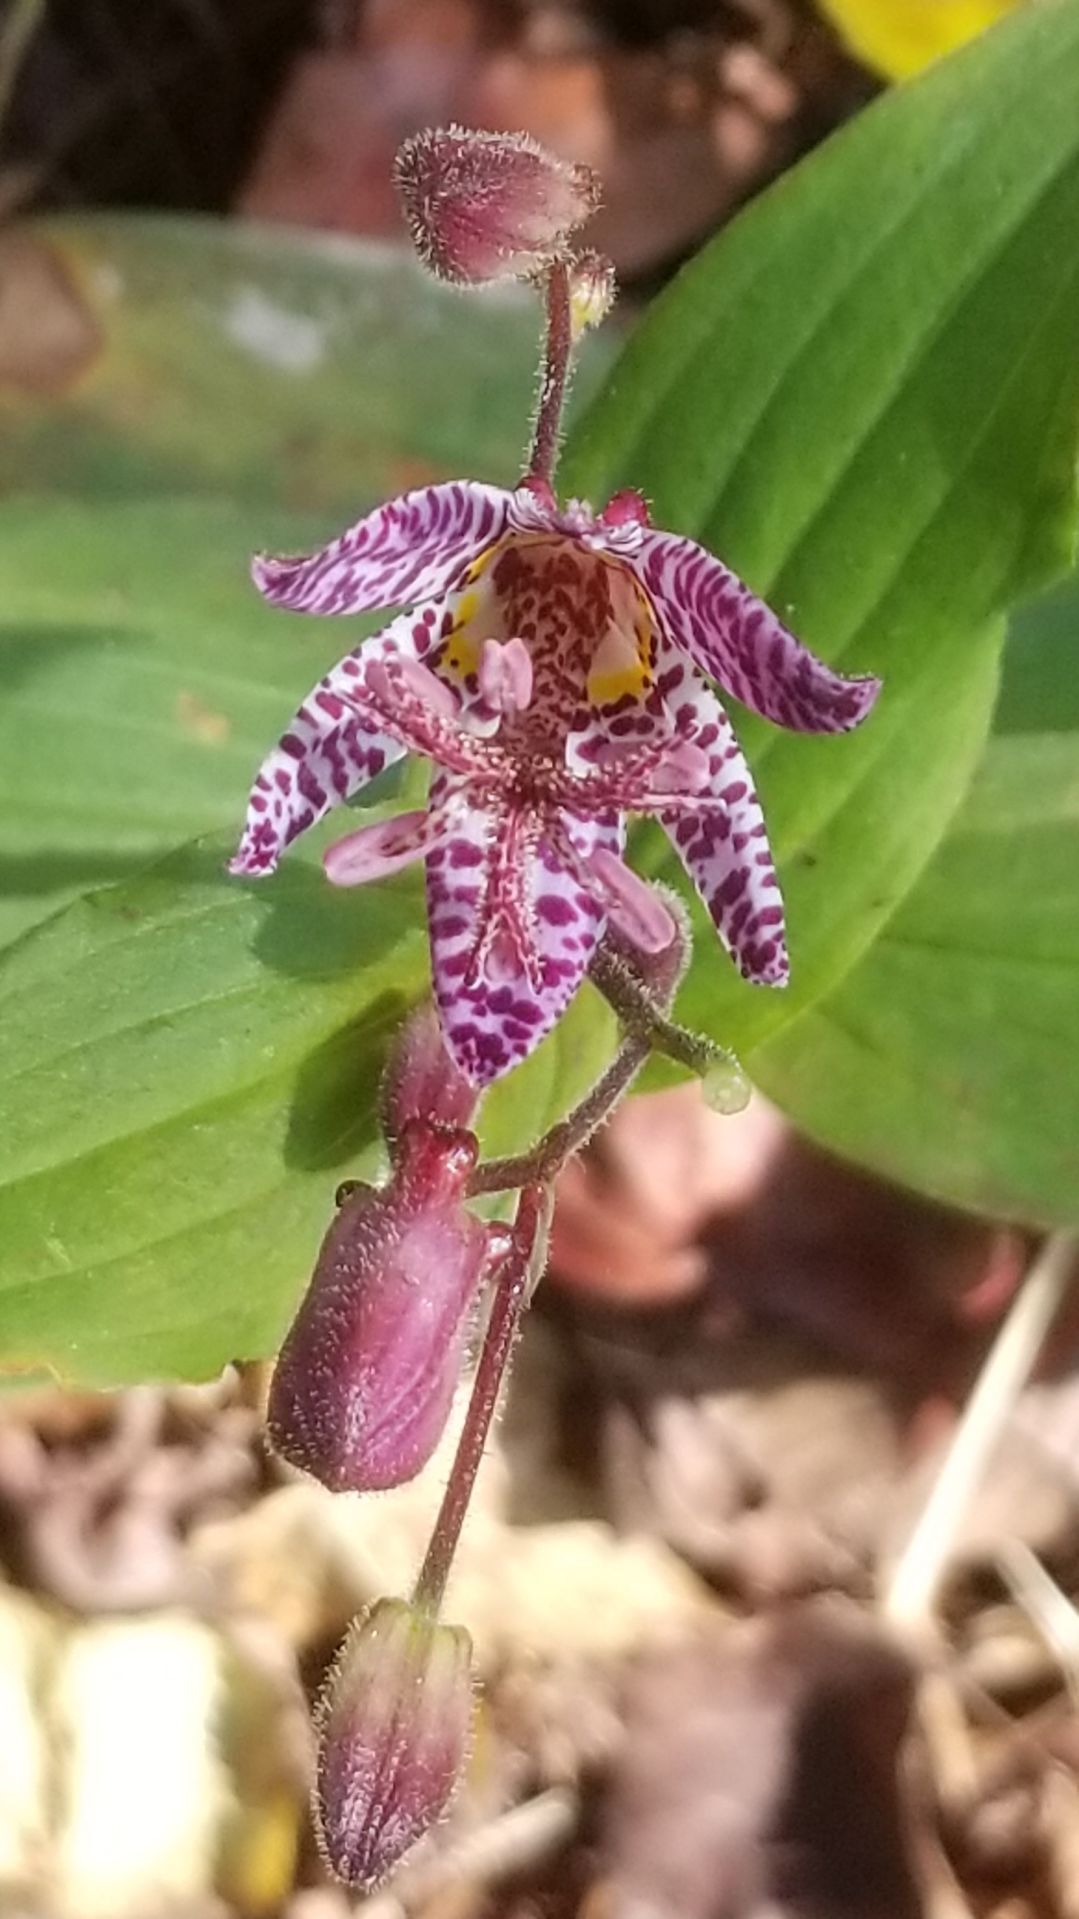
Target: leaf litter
694,1699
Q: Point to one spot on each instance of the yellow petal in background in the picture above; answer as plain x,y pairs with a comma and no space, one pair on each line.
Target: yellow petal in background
900,37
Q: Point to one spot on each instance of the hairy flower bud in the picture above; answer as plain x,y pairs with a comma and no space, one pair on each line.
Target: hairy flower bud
422,1081
365,1379
489,206
394,1725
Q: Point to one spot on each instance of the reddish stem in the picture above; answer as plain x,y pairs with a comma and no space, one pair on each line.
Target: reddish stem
557,353
549,1155
641,1003
512,1291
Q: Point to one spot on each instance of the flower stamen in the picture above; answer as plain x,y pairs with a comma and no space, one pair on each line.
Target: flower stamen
506,677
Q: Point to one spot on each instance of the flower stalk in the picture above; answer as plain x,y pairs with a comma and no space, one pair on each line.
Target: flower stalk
554,378
645,1019
556,666
515,1283
657,978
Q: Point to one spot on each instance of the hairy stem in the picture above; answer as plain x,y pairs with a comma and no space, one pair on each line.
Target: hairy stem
557,354
644,1015
513,1288
546,1158
550,1154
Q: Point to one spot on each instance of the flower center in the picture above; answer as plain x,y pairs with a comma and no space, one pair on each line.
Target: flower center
588,626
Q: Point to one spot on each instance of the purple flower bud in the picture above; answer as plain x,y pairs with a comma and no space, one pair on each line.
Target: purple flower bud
422,1081
365,1379
394,1725
489,206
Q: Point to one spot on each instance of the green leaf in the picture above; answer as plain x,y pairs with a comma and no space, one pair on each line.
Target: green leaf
153,355
947,1057
865,396
189,1067
141,679
931,1030
203,391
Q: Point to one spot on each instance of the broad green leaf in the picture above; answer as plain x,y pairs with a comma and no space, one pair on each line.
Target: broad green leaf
202,390
189,1067
141,679
864,396
948,1056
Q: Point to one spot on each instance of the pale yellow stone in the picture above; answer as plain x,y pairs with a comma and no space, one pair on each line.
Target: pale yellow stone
28,1639
141,1783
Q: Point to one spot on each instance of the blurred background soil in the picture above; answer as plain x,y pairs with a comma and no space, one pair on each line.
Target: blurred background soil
745,1371
292,109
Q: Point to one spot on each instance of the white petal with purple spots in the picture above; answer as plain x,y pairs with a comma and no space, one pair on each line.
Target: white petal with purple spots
552,676
412,549
738,641
512,931
328,753
723,844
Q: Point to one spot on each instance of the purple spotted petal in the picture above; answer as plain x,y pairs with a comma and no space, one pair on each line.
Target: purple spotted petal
383,847
737,640
640,748
600,731
328,753
723,843
631,905
412,549
511,931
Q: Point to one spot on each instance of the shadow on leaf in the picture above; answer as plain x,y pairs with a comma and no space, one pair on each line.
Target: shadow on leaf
333,1112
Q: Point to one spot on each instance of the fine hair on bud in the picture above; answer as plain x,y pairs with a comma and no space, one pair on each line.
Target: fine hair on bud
394,1728
365,1380
484,206
422,1082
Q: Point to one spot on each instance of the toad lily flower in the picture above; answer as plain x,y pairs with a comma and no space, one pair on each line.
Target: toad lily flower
554,669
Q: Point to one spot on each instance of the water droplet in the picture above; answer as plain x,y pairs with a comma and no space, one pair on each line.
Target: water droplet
725,1086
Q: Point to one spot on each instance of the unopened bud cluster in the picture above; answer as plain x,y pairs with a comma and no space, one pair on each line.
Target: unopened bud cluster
360,1397
363,1388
